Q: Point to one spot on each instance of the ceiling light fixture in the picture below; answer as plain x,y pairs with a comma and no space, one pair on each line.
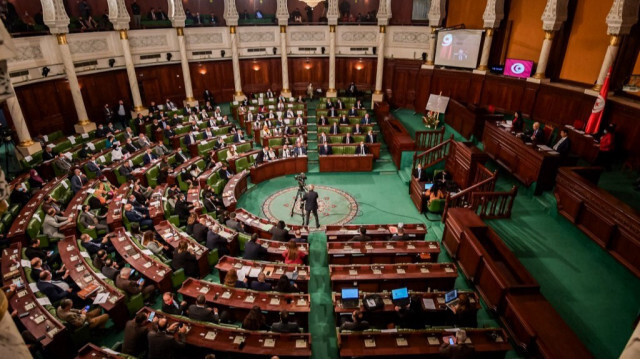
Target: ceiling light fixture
312,3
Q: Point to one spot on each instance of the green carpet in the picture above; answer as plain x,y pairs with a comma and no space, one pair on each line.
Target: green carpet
620,184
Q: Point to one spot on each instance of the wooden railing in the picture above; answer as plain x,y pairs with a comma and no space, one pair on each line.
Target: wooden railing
428,139
491,205
433,155
485,182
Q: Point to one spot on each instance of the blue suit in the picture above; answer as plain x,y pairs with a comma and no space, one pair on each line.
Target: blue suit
135,216
148,158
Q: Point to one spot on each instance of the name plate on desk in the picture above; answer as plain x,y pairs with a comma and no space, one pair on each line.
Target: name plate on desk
433,341
39,319
274,301
210,336
204,290
402,342
269,343
424,270
226,295
448,270
250,299
353,272
370,343
237,265
376,271
400,271
301,343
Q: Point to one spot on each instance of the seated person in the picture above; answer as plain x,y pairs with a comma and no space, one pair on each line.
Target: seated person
135,335
563,146
90,220
254,320
55,290
355,322
435,192
361,149
200,311
132,287
216,241
78,318
400,236
362,236
285,325
184,257
35,251
537,135
133,215
231,279
162,339
279,232
20,195
260,284
94,245
253,250
420,173
284,285
518,122
465,315
234,224
110,269
292,255
325,149
52,223
297,237
411,316
458,349
171,306
149,242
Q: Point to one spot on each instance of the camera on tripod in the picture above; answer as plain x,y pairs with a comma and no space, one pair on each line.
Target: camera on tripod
302,179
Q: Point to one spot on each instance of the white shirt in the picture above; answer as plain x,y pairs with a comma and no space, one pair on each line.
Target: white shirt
555,147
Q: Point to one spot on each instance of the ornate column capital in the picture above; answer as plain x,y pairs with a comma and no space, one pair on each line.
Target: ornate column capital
437,12
118,14
384,12
282,12
622,16
493,14
333,13
231,13
554,14
55,16
176,13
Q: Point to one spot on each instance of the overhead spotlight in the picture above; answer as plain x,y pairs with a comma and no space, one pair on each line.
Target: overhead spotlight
424,57
112,62
374,49
323,49
169,56
45,71
275,50
222,53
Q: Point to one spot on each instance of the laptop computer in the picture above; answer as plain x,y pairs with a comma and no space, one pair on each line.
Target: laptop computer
451,298
400,297
350,298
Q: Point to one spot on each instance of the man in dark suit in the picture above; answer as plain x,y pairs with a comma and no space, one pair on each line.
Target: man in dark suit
332,112
200,230
200,311
563,146
310,200
353,111
163,343
260,285
216,241
78,180
148,157
334,129
183,208
263,156
180,157
54,290
339,105
135,335
190,138
253,250
279,232
400,236
420,173
361,149
459,349
362,236
238,137
171,306
366,120
208,97
284,325
344,120
323,121
357,130
371,138
537,136
329,104
126,171
224,173
348,139
48,154
130,146
325,149
134,215
168,132
299,150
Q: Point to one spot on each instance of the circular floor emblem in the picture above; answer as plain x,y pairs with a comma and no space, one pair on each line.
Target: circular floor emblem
334,206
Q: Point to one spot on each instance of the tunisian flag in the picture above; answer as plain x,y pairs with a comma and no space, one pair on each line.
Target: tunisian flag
598,108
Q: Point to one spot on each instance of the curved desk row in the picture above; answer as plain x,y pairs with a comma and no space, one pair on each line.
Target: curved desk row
346,163
234,188
377,232
273,271
378,252
277,168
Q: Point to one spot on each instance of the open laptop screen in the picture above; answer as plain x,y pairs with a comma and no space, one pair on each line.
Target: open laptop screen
401,293
350,293
450,296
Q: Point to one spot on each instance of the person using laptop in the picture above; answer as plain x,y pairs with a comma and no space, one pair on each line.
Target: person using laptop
410,316
465,315
355,322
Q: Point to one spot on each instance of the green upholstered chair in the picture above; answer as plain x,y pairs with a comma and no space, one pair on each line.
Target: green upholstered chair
335,139
243,238
436,205
177,277
349,150
242,164
338,150
213,257
152,176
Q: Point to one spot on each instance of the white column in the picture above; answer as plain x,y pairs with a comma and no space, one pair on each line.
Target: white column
83,125
235,60
26,146
186,73
544,55
609,58
377,94
131,74
486,50
431,51
286,92
331,91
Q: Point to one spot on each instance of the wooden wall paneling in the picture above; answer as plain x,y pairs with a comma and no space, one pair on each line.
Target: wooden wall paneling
529,98
387,78
502,92
561,106
402,11
47,107
423,90
157,83
362,71
452,83
215,76
626,119
102,88
476,88
404,82
258,75
302,71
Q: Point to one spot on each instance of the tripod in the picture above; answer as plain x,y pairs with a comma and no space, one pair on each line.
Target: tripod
299,196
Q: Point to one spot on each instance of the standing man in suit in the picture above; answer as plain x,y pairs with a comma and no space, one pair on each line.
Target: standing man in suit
208,97
121,111
310,200
420,173
366,120
78,180
353,111
135,334
348,139
108,115
332,112
334,129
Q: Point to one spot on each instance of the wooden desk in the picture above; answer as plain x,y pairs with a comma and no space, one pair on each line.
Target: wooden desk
583,145
91,351
238,301
234,188
436,311
275,249
377,232
204,176
416,343
74,207
396,136
75,261
346,163
372,148
173,236
140,260
193,197
524,161
115,209
611,223
378,278
39,322
18,230
225,232
277,168
262,226
467,119
273,271
140,172
224,339
508,289
378,252
110,171
173,176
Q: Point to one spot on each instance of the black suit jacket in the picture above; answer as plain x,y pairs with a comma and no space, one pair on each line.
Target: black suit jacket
52,291
564,147
200,232
254,251
163,345
361,150
311,201
202,314
278,234
324,151
135,338
422,176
